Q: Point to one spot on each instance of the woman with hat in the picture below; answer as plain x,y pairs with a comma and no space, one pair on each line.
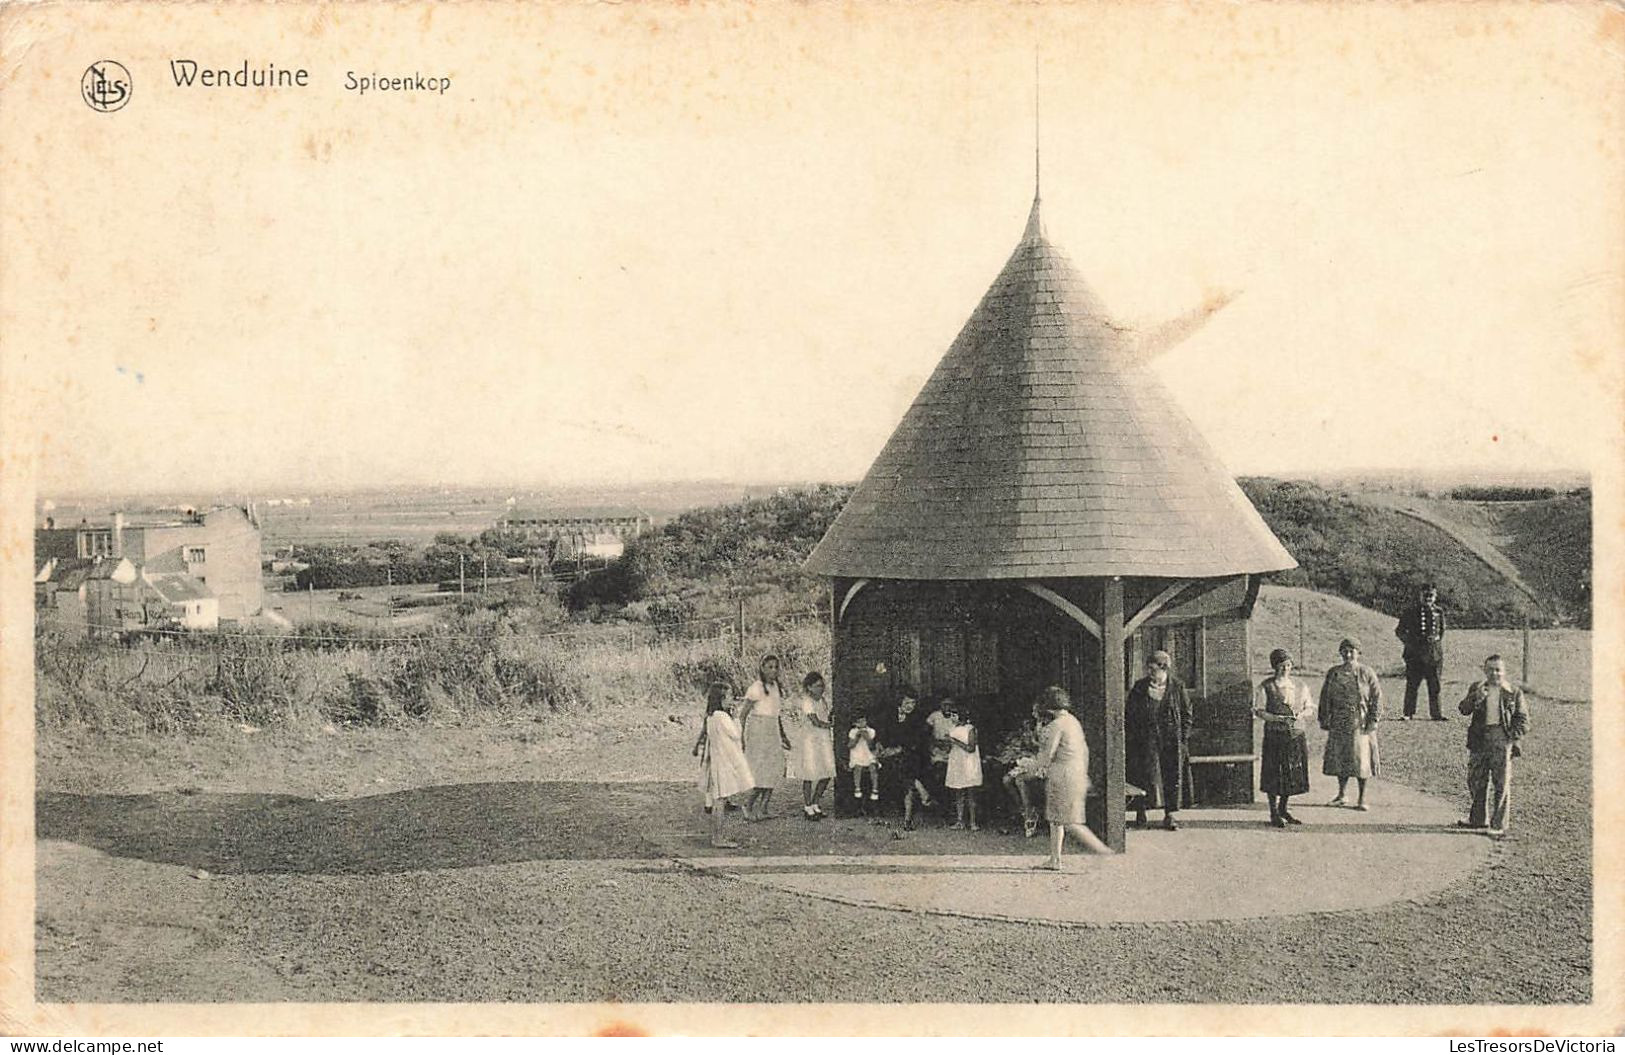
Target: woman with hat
1064,761
1350,707
1286,709
1157,724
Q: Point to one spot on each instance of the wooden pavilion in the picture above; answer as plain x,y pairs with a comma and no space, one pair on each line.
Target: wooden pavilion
1046,514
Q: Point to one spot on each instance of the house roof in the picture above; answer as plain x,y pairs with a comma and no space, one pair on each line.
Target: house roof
176,588
66,573
1042,446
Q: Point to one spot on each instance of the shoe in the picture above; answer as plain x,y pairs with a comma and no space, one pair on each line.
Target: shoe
956,826
1029,828
976,827
1470,826
1496,833
1441,718
1339,801
816,808
857,794
1362,807
1277,822
874,796
1141,823
1170,824
1403,718
1290,819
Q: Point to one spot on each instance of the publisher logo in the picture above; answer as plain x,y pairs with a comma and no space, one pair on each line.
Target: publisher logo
105,86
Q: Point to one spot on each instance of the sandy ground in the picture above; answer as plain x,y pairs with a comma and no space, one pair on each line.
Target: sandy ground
532,863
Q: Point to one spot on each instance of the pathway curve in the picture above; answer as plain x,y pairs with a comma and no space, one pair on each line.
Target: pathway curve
1224,864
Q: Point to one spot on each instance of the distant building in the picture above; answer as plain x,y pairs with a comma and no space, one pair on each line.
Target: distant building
218,548
572,532
180,601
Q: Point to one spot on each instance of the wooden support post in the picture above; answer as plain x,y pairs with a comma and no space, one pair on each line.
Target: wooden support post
1525,674
1114,676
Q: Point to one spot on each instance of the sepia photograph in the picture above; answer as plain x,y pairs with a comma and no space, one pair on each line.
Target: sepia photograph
820,519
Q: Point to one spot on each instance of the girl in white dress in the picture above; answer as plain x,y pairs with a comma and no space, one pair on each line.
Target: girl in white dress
863,757
724,772
762,720
964,766
814,745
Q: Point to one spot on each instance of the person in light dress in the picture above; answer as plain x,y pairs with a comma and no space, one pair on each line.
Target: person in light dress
724,771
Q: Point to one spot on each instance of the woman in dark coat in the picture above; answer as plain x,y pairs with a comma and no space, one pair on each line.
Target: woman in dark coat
905,752
1157,722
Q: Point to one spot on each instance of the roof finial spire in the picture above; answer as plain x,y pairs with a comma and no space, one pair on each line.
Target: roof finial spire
1038,169
1035,222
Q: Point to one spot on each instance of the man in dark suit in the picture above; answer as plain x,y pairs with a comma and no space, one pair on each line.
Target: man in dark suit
1421,628
1500,720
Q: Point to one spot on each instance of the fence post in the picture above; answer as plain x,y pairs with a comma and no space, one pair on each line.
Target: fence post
1302,659
1525,677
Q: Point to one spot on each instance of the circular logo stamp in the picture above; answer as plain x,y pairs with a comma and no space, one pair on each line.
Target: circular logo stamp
105,86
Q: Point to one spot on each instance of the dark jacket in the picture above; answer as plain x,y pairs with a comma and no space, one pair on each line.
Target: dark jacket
1420,646
1156,755
1514,716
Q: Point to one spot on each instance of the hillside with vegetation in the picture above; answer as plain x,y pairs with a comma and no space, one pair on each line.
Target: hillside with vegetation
700,563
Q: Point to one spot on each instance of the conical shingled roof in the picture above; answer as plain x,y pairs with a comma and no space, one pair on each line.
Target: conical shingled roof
1041,447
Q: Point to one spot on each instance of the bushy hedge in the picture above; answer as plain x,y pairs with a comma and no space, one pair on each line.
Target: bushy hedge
706,556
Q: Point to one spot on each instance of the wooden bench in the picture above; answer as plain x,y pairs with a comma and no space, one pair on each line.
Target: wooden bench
1219,760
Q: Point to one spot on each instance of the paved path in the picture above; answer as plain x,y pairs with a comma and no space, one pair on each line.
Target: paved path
1223,864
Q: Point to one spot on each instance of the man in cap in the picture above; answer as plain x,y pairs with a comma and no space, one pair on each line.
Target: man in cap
1421,628
1500,719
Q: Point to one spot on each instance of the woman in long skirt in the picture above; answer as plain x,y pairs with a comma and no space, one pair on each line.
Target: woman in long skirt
1156,726
1064,760
760,716
814,745
724,772
1350,707
1285,710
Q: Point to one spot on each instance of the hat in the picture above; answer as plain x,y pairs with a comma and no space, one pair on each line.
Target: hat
1162,659
1279,656
1349,642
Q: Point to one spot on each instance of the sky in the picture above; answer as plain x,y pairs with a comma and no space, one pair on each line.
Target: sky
651,243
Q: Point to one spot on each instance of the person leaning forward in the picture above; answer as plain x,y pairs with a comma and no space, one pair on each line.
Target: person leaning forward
1500,719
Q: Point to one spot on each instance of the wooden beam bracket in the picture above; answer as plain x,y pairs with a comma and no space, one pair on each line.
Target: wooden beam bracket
1078,615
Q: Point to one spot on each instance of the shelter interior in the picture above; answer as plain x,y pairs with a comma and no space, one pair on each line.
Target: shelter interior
993,645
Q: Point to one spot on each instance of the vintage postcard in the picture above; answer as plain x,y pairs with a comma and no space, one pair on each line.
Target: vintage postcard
839,518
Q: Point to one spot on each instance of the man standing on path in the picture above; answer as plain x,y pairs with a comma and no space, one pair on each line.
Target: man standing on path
1500,719
1421,628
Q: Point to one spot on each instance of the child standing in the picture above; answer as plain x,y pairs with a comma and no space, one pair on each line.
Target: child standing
861,759
814,745
724,772
964,767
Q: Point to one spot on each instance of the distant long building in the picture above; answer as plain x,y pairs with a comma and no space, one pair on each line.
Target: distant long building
579,531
